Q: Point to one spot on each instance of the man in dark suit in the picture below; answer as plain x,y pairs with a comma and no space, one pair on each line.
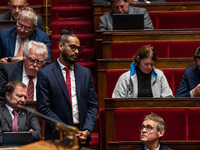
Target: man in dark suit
190,83
13,40
152,130
35,54
16,7
16,94
65,90
122,7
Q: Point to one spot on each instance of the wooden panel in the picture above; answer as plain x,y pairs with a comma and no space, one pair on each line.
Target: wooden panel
176,145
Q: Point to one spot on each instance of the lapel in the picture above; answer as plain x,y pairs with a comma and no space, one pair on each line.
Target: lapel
21,120
78,77
59,77
6,115
18,72
12,42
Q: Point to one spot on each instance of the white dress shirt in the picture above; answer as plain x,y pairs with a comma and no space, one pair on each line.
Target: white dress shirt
75,112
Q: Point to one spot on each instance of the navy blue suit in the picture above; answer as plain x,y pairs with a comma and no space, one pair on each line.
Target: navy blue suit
191,78
53,97
161,148
8,40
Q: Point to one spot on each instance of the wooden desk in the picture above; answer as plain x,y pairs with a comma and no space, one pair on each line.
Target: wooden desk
100,9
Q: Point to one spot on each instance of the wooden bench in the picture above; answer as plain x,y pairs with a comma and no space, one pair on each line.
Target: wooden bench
178,113
109,70
100,9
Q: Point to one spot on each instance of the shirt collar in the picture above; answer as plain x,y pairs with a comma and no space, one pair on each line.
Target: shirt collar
63,66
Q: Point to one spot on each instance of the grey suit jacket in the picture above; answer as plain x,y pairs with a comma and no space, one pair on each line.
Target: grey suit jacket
26,121
7,16
106,21
10,72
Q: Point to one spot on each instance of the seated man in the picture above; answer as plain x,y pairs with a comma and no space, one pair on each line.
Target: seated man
190,83
143,79
35,54
152,130
11,112
122,7
13,40
15,8
147,1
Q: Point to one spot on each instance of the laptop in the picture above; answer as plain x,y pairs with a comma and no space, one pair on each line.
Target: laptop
16,138
128,21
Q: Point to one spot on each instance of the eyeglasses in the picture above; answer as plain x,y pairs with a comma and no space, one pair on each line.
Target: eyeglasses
74,48
147,127
26,29
38,62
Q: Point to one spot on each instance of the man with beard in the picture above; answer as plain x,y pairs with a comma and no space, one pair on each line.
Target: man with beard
65,90
152,130
12,117
190,83
34,56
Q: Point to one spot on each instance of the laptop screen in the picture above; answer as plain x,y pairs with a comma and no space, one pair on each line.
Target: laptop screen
128,21
16,138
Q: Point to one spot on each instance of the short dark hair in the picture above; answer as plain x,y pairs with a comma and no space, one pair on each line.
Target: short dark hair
196,53
146,51
156,118
65,35
10,86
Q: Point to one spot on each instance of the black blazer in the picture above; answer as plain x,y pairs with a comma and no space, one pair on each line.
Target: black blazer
10,72
161,148
26,120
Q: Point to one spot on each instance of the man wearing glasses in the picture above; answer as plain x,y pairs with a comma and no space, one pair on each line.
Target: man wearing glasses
65,90
16,7
34,56
152,130
13,40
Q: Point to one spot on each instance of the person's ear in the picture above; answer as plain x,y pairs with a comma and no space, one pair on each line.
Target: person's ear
60,46
26,5
138,58
161,133
7,95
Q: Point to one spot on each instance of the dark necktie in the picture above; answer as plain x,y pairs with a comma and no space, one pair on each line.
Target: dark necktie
68,82
30,88
15,122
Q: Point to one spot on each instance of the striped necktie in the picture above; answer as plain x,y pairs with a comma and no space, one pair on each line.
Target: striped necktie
30,88
15,122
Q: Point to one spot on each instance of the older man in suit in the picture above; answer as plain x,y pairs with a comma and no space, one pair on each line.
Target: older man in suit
152,130
12,117
13,40
15,8
122,7
190,83
65,90
35,54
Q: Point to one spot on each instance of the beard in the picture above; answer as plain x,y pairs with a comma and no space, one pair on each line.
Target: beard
67,59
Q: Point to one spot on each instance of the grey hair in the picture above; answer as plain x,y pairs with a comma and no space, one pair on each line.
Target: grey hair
40,48
29,14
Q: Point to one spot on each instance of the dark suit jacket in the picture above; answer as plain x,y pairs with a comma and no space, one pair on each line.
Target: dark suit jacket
191,78
53,97
7,16
8,40
106,21
26,121
10,72
161,148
